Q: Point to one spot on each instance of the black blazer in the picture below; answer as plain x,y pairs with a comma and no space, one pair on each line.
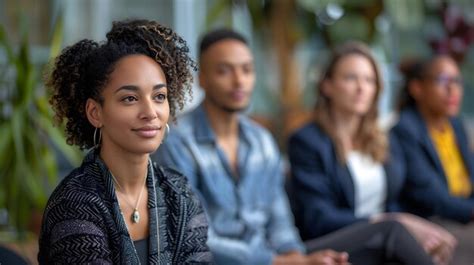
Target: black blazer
321,188
427,190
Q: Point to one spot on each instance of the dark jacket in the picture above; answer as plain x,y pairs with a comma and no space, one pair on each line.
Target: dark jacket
82,221
321,187
426,178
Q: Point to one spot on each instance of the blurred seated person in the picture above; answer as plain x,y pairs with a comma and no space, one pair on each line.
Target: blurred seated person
235,167
439,162
344,168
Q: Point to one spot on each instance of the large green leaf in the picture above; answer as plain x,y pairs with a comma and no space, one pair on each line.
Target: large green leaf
5,132
5,154
17,124
6,45
56,39
25,74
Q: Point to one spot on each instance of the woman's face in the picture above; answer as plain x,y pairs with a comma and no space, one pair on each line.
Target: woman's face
440,91
135,109
352,86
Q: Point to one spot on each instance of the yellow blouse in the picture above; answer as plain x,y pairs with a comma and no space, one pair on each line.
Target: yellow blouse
457,176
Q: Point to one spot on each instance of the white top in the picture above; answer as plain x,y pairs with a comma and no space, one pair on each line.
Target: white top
370,184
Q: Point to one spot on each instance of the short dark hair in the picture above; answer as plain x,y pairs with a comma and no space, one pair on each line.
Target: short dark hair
214,36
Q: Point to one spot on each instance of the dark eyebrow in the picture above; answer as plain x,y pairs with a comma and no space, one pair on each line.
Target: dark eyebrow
136,88
159,86
230,64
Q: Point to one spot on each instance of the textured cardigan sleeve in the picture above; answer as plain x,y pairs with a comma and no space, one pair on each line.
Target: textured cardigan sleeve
73,232
194,248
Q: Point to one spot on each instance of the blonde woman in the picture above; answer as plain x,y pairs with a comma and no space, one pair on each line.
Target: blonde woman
345,169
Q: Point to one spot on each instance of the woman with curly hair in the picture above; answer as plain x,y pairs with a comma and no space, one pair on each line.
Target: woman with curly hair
118,207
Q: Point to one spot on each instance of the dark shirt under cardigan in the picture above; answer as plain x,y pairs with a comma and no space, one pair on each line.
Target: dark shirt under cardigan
82,222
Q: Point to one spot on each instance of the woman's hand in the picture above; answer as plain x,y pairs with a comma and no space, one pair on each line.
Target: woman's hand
328,257
436,240
323,257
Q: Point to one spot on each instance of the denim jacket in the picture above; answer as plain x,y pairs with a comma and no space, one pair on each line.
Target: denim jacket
249,216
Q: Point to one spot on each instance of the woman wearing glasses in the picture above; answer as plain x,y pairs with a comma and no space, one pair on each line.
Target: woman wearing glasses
439,163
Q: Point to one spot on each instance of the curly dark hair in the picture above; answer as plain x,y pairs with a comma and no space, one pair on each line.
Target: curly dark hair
81,71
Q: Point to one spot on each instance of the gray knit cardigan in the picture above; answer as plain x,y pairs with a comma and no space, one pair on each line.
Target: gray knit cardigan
82,222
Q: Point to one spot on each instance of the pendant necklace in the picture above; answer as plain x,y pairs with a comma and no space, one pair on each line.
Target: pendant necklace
135,217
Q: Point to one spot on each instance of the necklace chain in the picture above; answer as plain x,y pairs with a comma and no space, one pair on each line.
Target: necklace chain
135,217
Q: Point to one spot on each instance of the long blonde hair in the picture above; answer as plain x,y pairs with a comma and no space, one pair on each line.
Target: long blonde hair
370,137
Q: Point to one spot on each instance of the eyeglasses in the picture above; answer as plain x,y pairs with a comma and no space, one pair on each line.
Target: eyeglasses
446,80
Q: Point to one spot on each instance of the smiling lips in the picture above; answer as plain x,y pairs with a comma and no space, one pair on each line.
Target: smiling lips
147,131
453,101
238,95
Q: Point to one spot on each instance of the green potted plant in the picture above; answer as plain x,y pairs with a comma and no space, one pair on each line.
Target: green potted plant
29,143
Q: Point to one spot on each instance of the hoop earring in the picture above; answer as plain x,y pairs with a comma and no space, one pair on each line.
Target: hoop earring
96,144
167,131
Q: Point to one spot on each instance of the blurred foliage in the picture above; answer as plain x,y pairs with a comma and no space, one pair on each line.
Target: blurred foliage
406,14
282,25
401,28
221,10
334,20
29,142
